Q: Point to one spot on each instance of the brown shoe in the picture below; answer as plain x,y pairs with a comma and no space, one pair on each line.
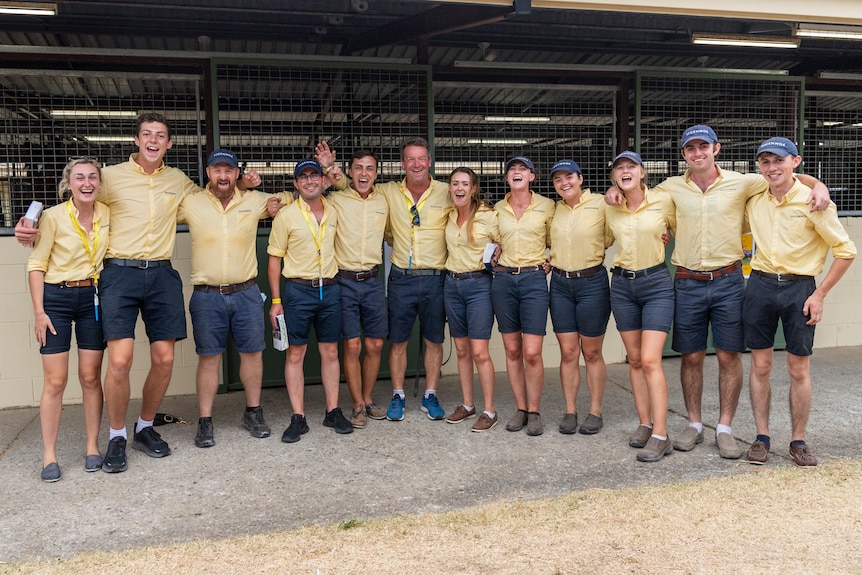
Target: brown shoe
517,421
460,414
758,453
534,423
374,411
358,419
801,454
727,446
569,424
655,449
688,438
640,437
484,423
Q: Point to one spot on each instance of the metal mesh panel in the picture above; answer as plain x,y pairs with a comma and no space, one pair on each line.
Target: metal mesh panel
48,116
273,115
833,145
482,125
743,112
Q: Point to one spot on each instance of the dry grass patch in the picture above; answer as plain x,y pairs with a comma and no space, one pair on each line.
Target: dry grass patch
778,521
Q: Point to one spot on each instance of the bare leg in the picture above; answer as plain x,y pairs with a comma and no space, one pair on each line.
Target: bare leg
370,366
353,371
597,372
691,377
515,368
535,370
433,361
295,378
799,368
90,376
485,367
652,344
329,372
632,342
570,371
206,383
159,377
55,368
465,368
117,391
729,384
759,387
398,363
251,376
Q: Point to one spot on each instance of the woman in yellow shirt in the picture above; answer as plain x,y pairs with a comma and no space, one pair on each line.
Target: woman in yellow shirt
63,274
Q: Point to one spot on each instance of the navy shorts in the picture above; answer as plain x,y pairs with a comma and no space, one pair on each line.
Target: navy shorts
157,292
468,306
701,304
214,315
304,308
765,302
581,305
643,303
521,302
65,306
411,296
363,308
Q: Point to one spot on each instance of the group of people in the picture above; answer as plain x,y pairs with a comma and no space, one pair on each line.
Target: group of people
104,255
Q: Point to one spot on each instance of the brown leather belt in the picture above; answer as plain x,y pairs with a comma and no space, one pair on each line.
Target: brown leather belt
143,264
314,283
467,275
579,274
78,283
781,277
225,289
685,273
633,274
359,276
516,270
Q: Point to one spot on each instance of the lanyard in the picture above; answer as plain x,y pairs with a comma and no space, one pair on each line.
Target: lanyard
91,251
408,198
318,240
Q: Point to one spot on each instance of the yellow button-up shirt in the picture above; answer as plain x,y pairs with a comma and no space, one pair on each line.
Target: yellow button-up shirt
59,250
638,233
790,238
578,236
224,239
465,256
524,241
144,209
295,237
709,224
428,239
362,222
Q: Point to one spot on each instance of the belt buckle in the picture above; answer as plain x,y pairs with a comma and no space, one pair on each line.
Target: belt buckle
362,276
781,278
315,283
516,271
630,274
146,264
710,274
222,287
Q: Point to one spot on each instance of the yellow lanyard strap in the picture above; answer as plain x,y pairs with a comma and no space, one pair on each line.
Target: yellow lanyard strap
318,241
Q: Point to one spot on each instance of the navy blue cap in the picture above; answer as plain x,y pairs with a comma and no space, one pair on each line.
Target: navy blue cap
698,132
569,166
779,146
304,165
522,160
222,156
633,156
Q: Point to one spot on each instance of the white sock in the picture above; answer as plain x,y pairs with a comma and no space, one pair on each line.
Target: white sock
721,428
471,408
142,423
116,433
659,437
490,414
430,392
398,392
697,425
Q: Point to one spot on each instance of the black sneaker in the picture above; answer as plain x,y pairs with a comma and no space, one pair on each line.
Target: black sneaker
150,442
254,422
297,427
336,419
204,438
115,457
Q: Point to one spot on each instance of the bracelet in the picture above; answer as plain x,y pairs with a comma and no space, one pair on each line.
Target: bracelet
326,170
276,300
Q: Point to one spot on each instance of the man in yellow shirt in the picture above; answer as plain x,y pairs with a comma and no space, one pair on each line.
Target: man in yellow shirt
303,238
222,222
791,244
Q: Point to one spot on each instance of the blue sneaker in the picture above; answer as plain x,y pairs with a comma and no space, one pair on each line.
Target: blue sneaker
396,408
431,406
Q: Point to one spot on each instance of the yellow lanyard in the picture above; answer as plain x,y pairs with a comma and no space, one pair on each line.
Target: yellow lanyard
91,251
318,240
408,198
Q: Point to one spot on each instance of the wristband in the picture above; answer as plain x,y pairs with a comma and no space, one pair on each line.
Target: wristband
276,300
326,170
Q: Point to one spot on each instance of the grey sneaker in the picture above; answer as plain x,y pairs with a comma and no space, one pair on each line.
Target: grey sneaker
374,411
640,437
591,425
254,422
655,449
758,453
569,424
517,421
686,440
534,423
727,446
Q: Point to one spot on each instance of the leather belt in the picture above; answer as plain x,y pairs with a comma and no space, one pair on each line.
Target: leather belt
630,274
359,276
781,277
418,272
77,283
685,273
225,289
516,270
584,273
314,283
142,264
467,275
